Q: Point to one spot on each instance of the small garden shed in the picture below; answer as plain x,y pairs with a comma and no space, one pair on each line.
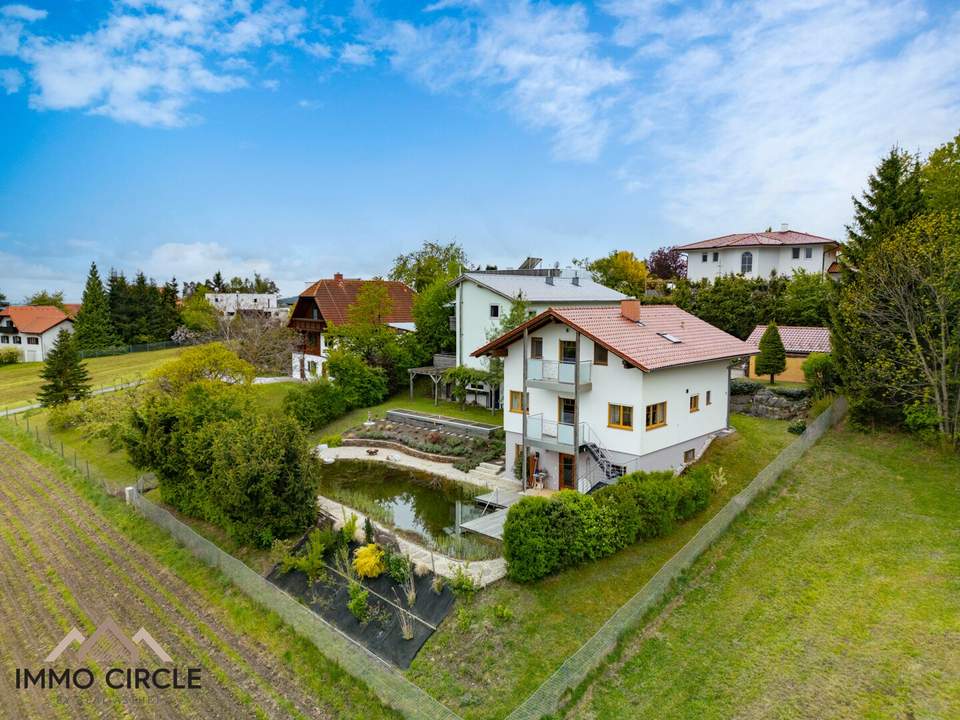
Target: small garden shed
799,342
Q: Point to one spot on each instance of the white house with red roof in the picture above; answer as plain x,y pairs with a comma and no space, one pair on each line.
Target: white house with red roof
760,254
32,329
594,392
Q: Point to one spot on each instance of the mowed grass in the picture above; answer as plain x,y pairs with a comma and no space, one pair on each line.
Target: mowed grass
483,667
836,596
19,384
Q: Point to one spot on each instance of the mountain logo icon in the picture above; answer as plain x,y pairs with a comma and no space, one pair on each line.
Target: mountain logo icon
108,633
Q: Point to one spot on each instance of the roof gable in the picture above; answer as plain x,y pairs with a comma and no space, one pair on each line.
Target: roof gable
782,238
335,295
34,319
644,344
796,338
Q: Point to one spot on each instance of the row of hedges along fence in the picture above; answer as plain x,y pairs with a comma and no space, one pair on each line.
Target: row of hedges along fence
544,535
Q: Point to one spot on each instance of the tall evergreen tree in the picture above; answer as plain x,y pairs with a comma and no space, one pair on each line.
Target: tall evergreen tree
772,359
93,325
169,312
66,376
121,306
892,198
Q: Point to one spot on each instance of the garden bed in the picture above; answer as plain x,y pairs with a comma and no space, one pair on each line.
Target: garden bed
382,633
442,423
467,451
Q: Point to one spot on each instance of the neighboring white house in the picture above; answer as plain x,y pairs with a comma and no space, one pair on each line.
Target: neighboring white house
596,392
32,329
484,297
232,303
759,254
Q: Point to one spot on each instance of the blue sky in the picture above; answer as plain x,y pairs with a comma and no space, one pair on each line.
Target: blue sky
298,139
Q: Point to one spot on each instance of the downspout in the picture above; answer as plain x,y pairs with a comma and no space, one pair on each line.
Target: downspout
729,368
460,323
576,412
523,415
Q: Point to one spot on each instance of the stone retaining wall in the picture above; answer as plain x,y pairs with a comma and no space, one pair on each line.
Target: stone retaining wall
768,404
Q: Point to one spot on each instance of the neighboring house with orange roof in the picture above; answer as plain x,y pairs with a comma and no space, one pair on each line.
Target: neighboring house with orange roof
799,341
32,329
594,392
759,254
326,302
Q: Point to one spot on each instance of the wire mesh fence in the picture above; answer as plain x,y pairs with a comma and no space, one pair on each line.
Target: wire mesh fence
547,699
125,349
387,683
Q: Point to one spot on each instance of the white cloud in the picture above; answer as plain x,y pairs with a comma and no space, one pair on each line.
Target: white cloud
22,12
309,104
10,80
541,59
356,54
149,59
785,109
270,84
198,261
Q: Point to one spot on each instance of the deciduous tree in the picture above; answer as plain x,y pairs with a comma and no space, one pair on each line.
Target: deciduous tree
620,270
42,297
421,268
667,263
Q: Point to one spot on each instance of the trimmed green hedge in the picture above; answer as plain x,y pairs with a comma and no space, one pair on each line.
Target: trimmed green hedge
544,535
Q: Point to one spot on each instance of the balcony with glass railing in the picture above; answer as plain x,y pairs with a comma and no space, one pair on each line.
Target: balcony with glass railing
550,434
553,375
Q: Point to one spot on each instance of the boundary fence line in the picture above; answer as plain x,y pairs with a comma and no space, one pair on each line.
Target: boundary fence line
547,699
387,683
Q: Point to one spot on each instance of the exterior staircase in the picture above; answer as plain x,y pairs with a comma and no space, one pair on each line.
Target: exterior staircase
489,473
609,470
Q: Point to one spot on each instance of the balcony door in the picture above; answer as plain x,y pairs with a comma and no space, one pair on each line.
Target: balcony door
568,351
567,472
566,410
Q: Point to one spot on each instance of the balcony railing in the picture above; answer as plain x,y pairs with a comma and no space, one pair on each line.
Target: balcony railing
551,431
564,373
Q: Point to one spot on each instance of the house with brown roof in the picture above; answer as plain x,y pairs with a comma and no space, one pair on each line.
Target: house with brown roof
32,329
759,254
799,341
327,302
594,392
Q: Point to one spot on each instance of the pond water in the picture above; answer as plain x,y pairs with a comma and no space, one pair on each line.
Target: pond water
414,503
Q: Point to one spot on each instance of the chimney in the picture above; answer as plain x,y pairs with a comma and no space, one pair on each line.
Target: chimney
630,309
338,276
784,227
549,279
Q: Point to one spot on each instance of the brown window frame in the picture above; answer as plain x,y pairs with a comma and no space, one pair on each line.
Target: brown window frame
524,407
560,350
695,403
597,347
662,423
621,425
534,341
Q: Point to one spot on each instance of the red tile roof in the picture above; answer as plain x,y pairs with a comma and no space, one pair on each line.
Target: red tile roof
796,338
334,295
34,319
784,237
834,267
639,343
71,309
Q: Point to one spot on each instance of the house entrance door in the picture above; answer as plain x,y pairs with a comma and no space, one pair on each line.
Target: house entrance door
567,479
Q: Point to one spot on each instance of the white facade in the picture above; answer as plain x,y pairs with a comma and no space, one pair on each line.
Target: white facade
478,309
680,440
313,364
232,303
786,260
33,347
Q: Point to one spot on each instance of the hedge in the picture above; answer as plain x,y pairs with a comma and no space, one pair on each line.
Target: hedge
544,535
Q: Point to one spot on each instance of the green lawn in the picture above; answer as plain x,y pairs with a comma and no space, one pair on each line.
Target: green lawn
420,403
20,383
836,596
483,667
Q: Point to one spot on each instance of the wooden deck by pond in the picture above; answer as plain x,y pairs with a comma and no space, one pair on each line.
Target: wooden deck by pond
491,524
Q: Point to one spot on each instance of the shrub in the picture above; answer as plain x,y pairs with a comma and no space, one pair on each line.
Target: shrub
9,356
793,393
463,585
821,374
744,386
315,403
398,567
368,561
359,384
696,486
797,427
311,562
529,540
332,440
502,613
358,605
543,535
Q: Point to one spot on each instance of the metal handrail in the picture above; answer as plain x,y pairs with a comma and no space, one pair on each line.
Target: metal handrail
564,372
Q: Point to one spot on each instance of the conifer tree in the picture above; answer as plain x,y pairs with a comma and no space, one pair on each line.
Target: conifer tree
65,374
893,197
94,326
121,306
773,356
